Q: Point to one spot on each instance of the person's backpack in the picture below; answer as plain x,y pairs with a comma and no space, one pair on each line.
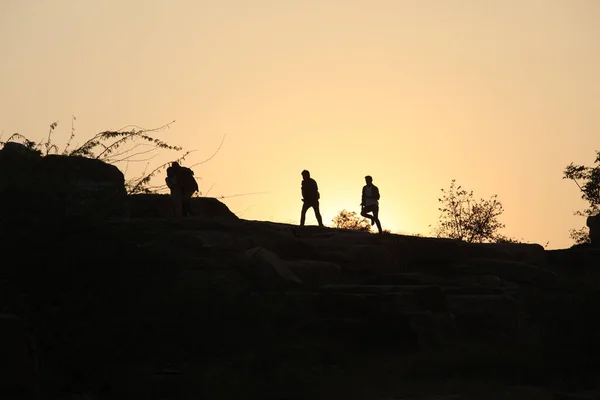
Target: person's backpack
186,179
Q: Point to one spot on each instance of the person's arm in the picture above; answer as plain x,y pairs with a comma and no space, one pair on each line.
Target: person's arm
171,181
362,197
376,192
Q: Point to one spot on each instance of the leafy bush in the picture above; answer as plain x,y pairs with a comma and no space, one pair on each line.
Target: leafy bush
350,220
467,219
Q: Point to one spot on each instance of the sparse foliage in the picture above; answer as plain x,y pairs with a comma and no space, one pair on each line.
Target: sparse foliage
580,236
111,146
350,220
506,239
141,184
587,180
467,219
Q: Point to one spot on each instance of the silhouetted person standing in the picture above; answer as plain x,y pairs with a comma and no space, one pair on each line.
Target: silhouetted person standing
310,198
370,202
182,183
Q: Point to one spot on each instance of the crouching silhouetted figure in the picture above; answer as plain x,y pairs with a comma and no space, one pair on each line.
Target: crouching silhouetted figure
310,198
370,202
183,185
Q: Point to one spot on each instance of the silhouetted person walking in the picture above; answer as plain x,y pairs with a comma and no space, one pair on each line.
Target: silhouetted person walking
370,202
182,183
310,198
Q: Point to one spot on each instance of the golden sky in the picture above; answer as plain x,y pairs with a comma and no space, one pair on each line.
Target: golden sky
499,94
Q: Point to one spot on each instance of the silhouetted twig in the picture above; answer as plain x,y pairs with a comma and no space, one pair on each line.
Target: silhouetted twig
141,185
213,155
241,194
209,189
244,210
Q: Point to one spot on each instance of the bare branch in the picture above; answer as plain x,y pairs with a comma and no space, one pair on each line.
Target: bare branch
143,182
209,189
213,155
131,159
241,194
244,210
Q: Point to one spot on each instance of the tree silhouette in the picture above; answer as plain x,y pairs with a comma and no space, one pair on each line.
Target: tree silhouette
350,220
467,219
587,180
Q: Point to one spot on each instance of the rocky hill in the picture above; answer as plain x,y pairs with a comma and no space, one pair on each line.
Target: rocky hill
108,296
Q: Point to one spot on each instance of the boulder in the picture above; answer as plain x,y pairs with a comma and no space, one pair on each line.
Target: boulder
268,270
513,271
57,187
579,263
17,154
315,274
160,206
84,187
522,252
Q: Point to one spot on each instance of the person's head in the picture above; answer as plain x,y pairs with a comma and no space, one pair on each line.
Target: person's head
305,174
368,179
175,164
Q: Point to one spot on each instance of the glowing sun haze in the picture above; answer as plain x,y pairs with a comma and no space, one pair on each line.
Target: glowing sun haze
499,94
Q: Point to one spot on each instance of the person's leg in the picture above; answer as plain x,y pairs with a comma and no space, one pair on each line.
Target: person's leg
176,197
184,207
376,218
305,207
187,204
318,213
364,212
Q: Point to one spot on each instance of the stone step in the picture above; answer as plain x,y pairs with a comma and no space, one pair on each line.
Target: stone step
491,305
406,278
375,289
473,290
307,306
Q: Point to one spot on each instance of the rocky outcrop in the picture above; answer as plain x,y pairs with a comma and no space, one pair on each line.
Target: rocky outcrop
119,304
268,269
161,206
57,187
183,291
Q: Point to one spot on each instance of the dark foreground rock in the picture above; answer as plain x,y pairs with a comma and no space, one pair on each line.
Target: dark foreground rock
106,296
18,360
226,308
